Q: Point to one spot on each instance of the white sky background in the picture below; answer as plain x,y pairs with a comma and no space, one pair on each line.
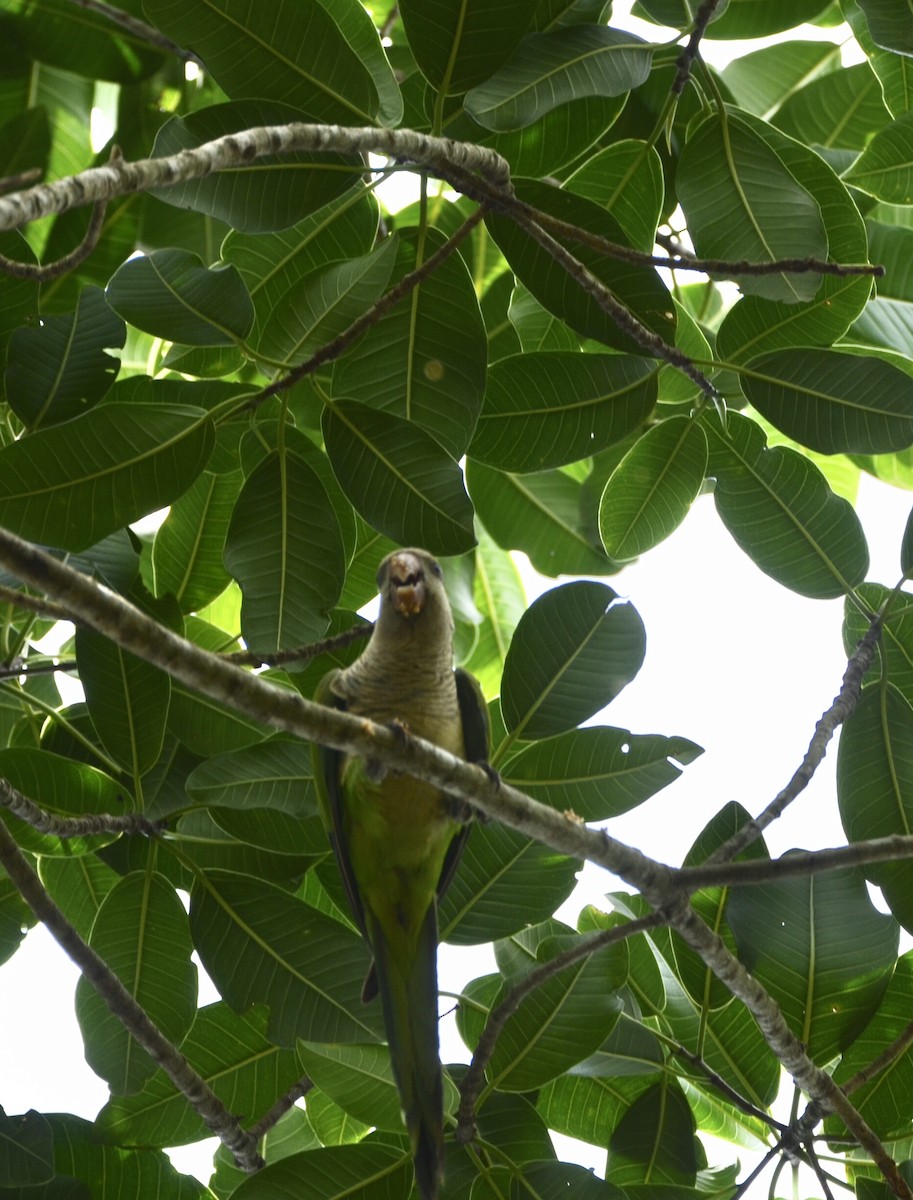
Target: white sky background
734,661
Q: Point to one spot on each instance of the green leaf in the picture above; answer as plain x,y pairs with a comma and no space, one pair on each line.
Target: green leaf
187,551
574,650
171,294
762,80
60,369
77,885
654,1142
75,483
271,192
889,25
758,18
358,28
141,933
755,325
831,401
26,1150
885,167
839,110
325,302
652,489
288,52
505,881
499,596
261,945
371,1171
545,410
638,288
358,1078
560,1022
822,951
233,1056
741,202
599,772
543,515
457,45
274,774
433,349
271,263
62,787
127,698
875,783
550,69
627,179
399,479
285,549
778,507
881,1100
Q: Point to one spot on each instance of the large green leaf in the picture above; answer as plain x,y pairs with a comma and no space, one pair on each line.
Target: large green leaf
233,1056
889,25
271,263
833,401
505,881
778,507
285,549
574,650
75,483
171,294
27,1155
358,1078
127,699
655,1140
755,325
369,1170
543,514
627,179
499,597
885,168
273,774
638,288
288,52
561,1022
599,772
425,360
77,884
261,945
550,69
741,202
141,933
398,477
322,304
761,80
458,43
273,191
822,951
838,110
652,489
545,410
60,369
187,551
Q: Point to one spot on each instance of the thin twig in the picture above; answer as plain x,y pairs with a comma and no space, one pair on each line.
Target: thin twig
727,1090
332,349
21,179
691,51
134,1018
896,847
839,710
35,604
67,827
901,1043
20,668
300,654
139,29
277,1111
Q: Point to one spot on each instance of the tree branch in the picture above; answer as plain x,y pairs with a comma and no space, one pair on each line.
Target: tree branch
240,149
66,827
691,51
206,673
277,1111
139,29
134,1018
300,654
894,848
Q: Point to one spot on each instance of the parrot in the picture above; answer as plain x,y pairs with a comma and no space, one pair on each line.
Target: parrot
398,840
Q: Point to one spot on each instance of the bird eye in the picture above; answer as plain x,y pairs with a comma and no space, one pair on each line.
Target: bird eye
436,569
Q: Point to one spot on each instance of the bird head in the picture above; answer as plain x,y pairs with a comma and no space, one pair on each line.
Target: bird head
411,587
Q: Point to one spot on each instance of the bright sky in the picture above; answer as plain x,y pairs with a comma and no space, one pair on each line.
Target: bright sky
734,662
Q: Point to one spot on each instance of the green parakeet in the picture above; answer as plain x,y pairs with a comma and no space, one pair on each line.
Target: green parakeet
397,840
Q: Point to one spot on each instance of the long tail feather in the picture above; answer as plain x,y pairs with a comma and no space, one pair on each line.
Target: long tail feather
407,981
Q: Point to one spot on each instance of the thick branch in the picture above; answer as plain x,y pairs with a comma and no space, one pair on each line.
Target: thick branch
209,675
690,53
897,847
66,827
204,1101
240,149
